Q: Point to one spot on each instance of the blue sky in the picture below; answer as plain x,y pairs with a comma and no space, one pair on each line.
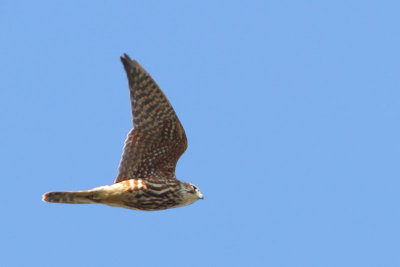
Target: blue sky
291,109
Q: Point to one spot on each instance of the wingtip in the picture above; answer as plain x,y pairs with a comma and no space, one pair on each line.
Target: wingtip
130,64
125,58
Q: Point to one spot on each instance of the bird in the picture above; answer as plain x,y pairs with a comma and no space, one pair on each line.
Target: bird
146,174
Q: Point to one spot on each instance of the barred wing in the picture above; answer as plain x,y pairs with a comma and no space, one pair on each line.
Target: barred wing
157,139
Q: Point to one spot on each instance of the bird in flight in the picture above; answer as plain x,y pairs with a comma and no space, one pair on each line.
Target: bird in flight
146,175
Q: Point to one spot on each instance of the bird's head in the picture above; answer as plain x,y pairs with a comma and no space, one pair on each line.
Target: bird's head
190,193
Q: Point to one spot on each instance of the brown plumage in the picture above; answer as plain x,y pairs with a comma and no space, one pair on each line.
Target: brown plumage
146,174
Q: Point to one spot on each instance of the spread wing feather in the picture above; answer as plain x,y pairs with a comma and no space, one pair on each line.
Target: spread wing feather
157,139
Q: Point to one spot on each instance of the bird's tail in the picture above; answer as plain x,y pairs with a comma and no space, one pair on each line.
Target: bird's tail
73,197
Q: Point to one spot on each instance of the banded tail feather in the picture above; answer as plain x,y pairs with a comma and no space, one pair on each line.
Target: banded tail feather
71,197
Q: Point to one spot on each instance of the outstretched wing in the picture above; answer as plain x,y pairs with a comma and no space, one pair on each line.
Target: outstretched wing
157,139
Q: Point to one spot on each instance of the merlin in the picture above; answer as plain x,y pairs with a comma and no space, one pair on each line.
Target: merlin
146,175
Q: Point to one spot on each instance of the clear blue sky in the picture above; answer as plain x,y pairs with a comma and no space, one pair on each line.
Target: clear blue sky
291,109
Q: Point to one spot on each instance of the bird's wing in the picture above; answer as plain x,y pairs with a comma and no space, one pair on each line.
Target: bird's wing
157,139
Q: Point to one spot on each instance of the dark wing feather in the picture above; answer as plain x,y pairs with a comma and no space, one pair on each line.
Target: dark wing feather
157,139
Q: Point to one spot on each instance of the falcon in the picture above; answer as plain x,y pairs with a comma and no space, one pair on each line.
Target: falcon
146,175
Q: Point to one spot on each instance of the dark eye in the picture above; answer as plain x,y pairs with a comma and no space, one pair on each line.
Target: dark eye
194,187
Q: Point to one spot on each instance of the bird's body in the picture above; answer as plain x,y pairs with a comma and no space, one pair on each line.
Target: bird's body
146,178
132,194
